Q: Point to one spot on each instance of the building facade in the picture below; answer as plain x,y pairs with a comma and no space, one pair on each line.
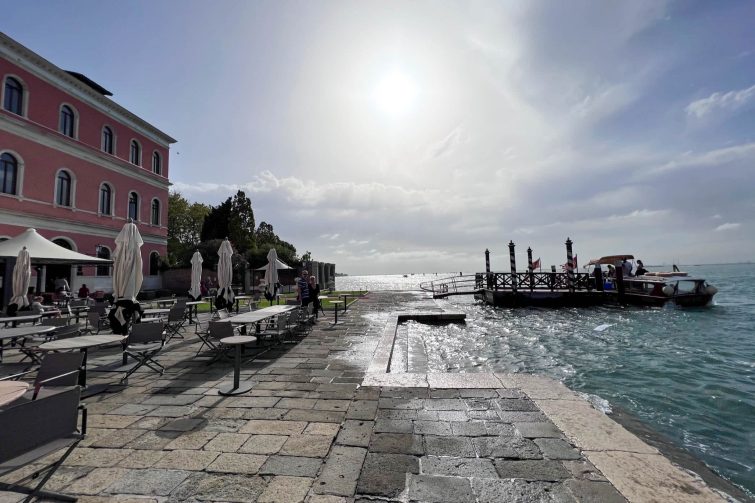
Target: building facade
76,166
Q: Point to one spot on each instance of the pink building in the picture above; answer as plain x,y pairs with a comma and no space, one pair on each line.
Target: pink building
75,165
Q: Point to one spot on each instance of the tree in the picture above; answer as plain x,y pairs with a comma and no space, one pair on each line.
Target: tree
233,219
184,227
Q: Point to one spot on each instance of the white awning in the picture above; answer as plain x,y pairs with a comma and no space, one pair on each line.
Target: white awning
44,251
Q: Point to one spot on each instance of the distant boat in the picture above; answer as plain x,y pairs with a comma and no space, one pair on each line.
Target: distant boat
406,275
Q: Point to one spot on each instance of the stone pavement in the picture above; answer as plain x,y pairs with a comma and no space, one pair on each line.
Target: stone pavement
317,427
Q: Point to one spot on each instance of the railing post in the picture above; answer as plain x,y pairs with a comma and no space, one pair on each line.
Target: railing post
598,273
488,279
512,259
529,268
619,272
569,266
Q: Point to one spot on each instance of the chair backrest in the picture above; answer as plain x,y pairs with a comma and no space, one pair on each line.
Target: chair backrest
291,302
176,313
93,317
221,330
33,424
57,364
100,309
223,314
282,321
142,333
78,302
181,303
68,331
54,322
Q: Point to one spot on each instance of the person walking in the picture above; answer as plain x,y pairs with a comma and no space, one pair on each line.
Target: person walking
302,284
314,294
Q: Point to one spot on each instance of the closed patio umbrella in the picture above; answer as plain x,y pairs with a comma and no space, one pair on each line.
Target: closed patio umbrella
127,276
196,275
21,278
271,274
225,276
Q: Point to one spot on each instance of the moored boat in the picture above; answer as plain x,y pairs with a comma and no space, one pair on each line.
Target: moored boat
655,288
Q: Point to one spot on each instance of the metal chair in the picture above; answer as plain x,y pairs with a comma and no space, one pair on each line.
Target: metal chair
55,371
176,320
143,344
217,330
95,322
33,430
67,331
278,330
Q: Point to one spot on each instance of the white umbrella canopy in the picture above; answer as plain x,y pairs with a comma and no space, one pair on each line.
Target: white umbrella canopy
225,271
127,263
271,269
44,251
196,275
21,278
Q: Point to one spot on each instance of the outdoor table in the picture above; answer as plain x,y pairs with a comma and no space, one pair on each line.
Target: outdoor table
83,343
335,308
10,390
48,313
20,319
238,299
259,315
345,296
22,332
154,313
193,309
236,388
165,302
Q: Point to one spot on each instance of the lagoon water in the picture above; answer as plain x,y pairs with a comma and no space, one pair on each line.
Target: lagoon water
686,373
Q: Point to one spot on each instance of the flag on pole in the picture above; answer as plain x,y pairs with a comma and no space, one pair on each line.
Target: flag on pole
565,266
536,264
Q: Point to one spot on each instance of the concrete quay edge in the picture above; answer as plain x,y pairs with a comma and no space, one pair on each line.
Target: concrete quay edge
637,470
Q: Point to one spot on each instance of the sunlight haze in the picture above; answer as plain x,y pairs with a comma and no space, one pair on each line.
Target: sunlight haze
396,137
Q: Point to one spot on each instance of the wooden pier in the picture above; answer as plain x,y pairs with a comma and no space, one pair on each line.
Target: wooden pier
530,288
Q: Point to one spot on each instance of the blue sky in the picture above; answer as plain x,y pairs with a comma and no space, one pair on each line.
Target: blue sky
410,136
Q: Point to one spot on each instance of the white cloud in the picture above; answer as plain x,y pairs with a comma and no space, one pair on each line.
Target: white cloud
730,102
728,226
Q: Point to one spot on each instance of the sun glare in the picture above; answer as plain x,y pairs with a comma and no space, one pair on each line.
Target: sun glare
395,94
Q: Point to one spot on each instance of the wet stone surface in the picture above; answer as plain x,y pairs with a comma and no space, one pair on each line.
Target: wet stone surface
309,431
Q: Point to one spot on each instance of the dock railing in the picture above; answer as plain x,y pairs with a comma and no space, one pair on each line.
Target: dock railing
522,281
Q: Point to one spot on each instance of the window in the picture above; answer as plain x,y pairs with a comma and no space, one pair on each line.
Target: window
106,199
67,119
154,262
63,192
136,153
103,252
157,164
107,140
14,96
133,206
8,174
63,242
155,212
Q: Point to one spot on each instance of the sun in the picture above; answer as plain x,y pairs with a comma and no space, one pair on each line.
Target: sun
395,94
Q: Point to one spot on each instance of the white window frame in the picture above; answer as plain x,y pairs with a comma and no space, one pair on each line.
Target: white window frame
24,94
138,205
112,199
75,120
141,152
19,173
73,189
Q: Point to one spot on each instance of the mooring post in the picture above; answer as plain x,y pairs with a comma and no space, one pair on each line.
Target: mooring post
529,268
487,268
553,276
598,273
569,266
512,259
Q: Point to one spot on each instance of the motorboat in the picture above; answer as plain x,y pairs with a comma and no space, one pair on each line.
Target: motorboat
654,288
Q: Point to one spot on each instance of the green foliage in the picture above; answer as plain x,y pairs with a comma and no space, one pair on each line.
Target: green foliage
184,227
233,219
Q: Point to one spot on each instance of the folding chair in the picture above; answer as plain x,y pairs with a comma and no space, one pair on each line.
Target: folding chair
67,331
176,320
95,322
278,330
32,430
143,344
217,330
56,370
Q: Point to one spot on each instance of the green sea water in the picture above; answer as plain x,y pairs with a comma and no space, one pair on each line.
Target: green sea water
686,373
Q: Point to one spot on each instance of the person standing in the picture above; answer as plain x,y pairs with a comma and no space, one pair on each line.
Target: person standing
640,269
302,284
314,293
83,291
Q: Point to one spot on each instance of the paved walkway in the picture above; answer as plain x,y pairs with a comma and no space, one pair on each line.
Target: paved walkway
324,424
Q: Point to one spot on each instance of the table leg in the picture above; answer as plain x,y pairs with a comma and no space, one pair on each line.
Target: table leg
83,372
336,311
236,388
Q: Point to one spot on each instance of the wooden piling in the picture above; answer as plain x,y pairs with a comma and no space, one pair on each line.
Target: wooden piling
512,259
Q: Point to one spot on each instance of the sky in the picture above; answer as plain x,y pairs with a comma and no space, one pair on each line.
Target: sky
395,137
